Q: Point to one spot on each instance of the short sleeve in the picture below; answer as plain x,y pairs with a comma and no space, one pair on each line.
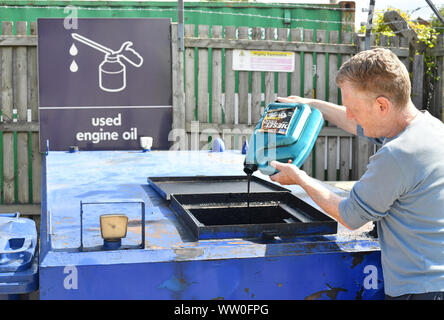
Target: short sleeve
373,195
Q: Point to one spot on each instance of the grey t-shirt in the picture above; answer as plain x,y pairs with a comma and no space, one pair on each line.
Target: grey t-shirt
403,190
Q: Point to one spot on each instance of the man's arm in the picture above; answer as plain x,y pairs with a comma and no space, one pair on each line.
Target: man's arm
332,112
323,197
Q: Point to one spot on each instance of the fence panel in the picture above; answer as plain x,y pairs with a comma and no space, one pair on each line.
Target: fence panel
337,155
20,160
230,114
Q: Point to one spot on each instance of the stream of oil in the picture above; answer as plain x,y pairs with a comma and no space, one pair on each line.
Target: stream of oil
248,190
248,197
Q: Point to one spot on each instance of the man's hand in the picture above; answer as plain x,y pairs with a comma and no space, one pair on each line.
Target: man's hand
326,199
288,173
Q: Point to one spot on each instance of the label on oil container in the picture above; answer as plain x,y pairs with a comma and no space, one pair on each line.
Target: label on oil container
277,120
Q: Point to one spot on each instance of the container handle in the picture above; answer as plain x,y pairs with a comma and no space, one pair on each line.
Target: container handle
26,244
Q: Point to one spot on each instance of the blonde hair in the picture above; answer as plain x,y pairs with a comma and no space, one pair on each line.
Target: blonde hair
378,71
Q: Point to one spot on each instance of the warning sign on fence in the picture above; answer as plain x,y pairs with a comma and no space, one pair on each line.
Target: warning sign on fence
253,60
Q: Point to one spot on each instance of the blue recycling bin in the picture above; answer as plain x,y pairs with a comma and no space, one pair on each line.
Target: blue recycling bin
18,256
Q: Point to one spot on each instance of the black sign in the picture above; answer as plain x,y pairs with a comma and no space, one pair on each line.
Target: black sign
105,84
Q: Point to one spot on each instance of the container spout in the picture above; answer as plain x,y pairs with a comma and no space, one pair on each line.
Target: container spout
249,168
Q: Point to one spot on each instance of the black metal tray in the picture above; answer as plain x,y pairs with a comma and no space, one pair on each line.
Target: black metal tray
166,186
226,215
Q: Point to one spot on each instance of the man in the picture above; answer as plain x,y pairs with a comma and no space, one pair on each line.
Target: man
403,187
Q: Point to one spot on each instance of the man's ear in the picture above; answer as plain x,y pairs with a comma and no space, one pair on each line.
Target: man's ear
384,105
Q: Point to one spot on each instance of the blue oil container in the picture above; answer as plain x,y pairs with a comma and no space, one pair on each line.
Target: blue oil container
286,131
18,256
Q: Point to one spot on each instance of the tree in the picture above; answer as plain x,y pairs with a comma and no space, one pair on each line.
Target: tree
425,33
436,23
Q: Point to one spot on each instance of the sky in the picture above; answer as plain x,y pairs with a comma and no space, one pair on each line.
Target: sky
417,8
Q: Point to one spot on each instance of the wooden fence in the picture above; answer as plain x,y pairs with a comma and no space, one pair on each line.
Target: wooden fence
222,111
209,98
20,160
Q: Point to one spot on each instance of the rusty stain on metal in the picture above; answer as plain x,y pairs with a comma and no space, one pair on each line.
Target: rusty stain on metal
188,253
159,230
135,229
331,293
237,242
134,222
359,294
358,258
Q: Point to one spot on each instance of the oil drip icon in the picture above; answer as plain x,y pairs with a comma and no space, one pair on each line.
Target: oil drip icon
112,72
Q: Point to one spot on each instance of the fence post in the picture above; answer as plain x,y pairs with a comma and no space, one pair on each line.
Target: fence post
203,97
416,56
438,86
34,104
243,86
256,85
21,79
190,86
202,80
308,92
269,94
7,113
178,84
362,148
216,78
418,81
346,144
295,87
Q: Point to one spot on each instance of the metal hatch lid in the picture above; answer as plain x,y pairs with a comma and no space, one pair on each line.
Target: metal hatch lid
166,186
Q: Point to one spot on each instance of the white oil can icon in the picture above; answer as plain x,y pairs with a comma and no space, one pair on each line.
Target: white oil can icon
112,72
